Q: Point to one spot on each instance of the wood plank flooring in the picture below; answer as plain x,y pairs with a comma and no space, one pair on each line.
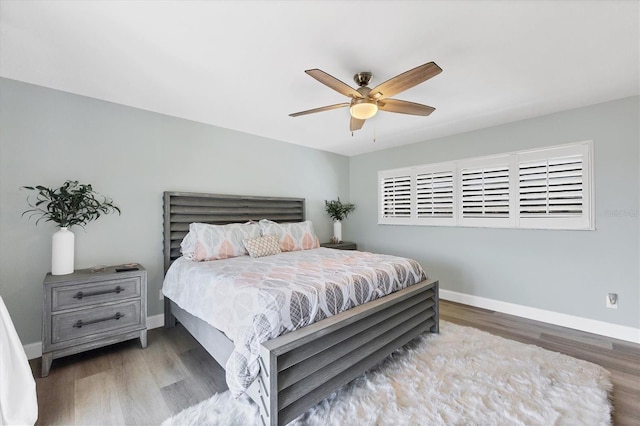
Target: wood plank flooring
125,385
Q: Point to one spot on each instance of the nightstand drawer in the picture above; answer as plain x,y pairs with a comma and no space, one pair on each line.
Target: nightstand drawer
76,296
86,322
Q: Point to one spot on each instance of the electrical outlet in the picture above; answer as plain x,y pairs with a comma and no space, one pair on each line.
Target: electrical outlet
612,300
161,296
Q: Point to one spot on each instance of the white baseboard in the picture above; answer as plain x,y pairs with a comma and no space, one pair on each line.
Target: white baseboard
602,328
155,321
34,350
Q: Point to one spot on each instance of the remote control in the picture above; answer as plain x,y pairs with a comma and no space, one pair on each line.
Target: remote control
126,269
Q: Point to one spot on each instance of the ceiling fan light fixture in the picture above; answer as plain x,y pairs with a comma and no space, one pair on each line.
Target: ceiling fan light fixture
363,108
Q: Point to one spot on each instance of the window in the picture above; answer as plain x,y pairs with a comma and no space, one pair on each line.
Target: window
396,197
434,194
486,192
423,195
555,188
549,188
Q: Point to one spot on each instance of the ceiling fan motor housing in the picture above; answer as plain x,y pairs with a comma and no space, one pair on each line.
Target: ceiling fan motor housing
362,78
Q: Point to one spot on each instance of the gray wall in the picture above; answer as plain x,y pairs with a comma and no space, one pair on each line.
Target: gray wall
132,156
562,271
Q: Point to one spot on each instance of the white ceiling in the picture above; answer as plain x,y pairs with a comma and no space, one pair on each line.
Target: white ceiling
240,65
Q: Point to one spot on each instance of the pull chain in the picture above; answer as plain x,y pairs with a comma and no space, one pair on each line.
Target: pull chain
374,130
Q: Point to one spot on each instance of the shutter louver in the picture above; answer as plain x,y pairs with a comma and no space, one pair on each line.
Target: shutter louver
485,192
552,187
434,194
396,197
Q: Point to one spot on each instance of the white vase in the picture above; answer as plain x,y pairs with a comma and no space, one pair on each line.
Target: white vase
62,252
337,230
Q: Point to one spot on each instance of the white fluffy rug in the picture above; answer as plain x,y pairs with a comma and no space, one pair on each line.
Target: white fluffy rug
461,376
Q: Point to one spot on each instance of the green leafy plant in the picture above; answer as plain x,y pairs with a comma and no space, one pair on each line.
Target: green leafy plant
337,210
71,204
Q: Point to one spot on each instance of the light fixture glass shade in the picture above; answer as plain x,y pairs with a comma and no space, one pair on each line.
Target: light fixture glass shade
363,109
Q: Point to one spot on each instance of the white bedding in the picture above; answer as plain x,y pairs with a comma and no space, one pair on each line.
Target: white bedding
18,403
254,300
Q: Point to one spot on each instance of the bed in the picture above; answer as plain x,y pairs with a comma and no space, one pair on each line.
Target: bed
300,368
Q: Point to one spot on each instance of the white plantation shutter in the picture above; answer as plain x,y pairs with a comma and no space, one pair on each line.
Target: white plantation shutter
554,188
422,195
485,192
551,187
396,197
434,194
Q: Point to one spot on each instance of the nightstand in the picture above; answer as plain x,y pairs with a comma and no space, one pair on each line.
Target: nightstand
344,245
86,310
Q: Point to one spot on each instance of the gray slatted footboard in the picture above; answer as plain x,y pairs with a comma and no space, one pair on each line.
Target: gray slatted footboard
301,368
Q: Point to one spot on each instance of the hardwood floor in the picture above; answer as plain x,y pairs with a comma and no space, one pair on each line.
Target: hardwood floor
123,384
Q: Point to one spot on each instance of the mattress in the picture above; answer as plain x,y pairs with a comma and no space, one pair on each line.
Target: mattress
254,300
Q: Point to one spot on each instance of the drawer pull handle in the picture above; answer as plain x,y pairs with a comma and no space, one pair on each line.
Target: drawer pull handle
79,295
80,323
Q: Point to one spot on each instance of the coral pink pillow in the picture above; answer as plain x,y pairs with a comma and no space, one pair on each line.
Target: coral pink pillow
291,236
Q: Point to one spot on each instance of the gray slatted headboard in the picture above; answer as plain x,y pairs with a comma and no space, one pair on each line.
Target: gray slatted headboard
183,208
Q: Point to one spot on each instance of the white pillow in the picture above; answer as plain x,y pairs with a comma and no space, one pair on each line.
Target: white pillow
188,245
291,236
213,242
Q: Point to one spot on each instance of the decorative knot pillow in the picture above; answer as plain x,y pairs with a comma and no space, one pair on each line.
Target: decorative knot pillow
291,236
263,246
214,242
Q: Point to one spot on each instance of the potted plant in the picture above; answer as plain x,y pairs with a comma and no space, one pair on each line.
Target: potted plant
71,204
338,211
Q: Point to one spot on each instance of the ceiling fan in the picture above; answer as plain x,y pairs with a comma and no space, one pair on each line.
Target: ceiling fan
366,102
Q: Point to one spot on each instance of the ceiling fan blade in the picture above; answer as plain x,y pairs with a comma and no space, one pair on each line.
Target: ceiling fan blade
324,108
334,83
405,81
356,124
404,107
